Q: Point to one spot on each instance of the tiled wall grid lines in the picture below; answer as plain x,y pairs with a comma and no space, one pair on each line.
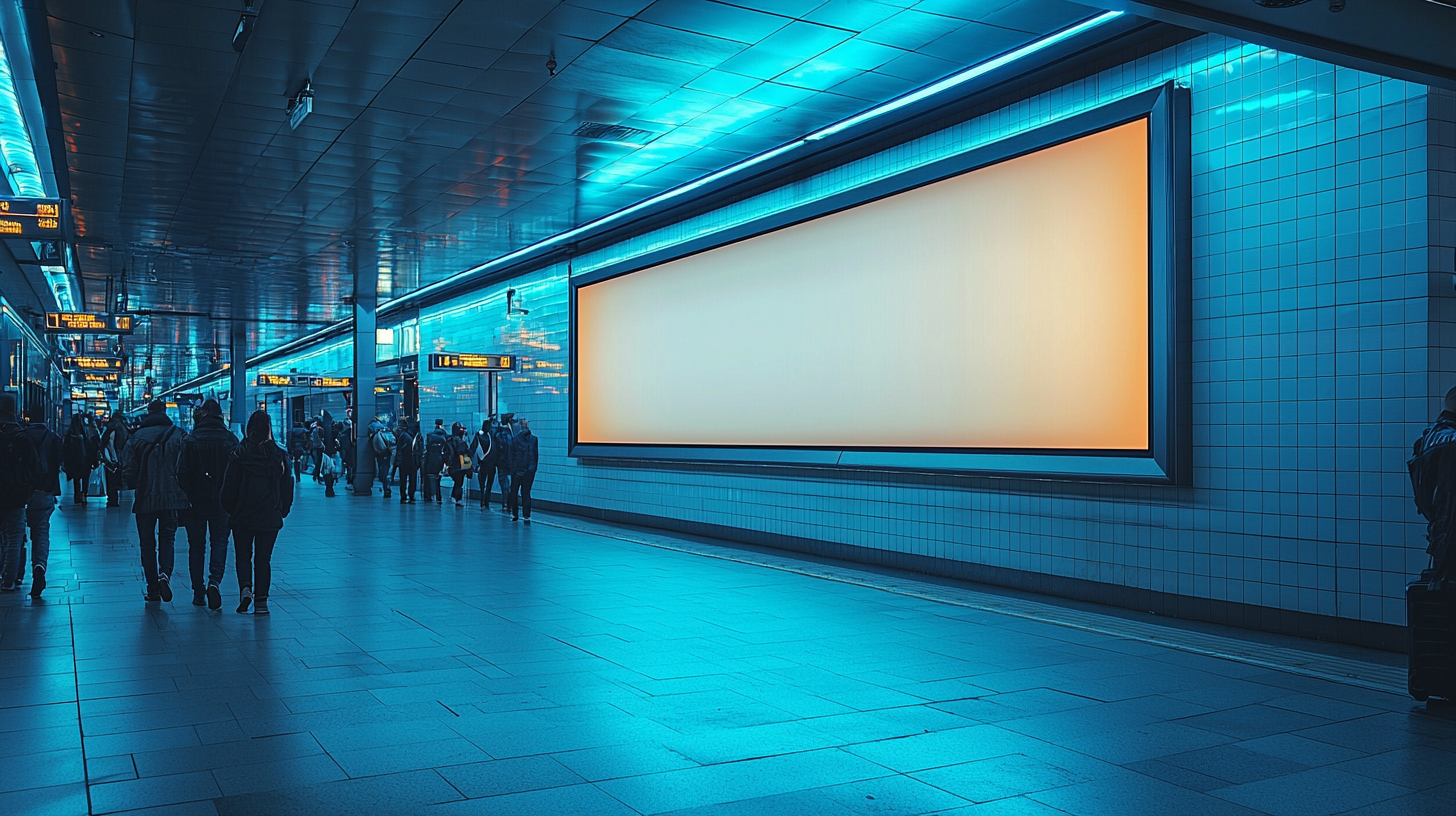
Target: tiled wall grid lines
1315,321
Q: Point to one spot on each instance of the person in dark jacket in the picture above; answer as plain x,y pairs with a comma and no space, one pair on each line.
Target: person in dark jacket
503,433
113,442
257,494
457,454
437,444
485,453
1432,469
204,457
408,450
19,475
348,450
79,454
524,456
298,449
149,463
381,444
42,501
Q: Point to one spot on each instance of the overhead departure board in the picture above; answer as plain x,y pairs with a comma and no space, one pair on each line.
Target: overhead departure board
38,218
100,377
87,323
303,381
472,362
92,364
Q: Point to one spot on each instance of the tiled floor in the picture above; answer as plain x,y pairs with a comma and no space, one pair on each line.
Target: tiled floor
444,661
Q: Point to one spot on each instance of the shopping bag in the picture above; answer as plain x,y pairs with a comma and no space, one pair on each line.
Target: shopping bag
97,485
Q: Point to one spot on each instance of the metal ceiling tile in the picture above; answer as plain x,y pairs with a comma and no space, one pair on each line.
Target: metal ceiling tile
975,42
683,46
853,15
1034,16
715,19
911,29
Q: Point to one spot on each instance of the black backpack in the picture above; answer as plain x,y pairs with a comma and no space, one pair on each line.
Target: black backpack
435,445
19,467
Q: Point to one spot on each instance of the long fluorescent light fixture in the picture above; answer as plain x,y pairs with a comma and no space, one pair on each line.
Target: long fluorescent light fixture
21,166
977,70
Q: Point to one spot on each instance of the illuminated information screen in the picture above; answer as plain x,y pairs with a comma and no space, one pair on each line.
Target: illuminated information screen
101,377
87,323
302,381
93,363
472,362
38,218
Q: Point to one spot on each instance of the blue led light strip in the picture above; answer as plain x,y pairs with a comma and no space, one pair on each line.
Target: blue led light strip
21,167
977,70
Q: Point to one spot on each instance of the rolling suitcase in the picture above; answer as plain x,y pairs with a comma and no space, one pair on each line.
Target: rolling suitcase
1430,605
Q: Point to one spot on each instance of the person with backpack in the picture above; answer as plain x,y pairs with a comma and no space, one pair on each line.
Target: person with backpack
485,453
330,463
503,433
42,501
79,456
257,495
113,442
458,462
149,463
20,475
436,451
381,442
348,449
199,471
408,449
524,456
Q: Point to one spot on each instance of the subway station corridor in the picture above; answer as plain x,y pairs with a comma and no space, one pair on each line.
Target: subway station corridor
443,660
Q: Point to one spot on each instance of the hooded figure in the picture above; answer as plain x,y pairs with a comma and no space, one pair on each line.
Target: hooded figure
80,451
331,464
149,463
199,471
113,442
257,493
408,448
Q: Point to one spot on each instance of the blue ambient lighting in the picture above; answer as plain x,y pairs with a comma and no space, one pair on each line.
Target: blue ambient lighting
980,69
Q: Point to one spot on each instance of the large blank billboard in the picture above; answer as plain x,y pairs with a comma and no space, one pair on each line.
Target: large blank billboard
1014,309
1003,308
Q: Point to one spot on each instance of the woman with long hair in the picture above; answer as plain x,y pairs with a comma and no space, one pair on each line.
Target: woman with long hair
257,493
78,456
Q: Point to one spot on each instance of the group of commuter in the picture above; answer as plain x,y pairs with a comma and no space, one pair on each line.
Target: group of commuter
504,450
214,486
207,481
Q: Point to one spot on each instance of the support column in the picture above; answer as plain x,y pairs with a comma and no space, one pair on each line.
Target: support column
366,297
238,374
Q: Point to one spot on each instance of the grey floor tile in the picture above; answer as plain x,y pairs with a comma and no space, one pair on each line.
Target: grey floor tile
587,800
734,781
1322,790
999,778
503,776
110,797
1135,793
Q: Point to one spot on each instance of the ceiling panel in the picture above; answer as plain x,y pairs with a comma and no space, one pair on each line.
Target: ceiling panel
438,130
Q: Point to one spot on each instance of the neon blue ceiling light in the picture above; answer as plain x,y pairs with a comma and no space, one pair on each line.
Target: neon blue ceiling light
977,70
22,170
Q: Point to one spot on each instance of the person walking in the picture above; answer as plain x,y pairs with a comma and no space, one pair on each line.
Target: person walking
316,448
149,463
408,449
503,433
381,442
525,454
436,450
20,474
458,462
257,495
485,453
199,471
113,442
78,457
348,449
42,501
297,448
331,463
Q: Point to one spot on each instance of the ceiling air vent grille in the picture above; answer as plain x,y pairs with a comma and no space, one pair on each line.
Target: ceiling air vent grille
613,133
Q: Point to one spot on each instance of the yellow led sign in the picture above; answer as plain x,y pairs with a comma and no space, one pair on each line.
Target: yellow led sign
39,218
303,381
93,363
101,377
274,380
87,323
472,362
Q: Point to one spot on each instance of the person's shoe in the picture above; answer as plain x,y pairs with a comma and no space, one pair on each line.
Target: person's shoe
245,601
515,517
37,580
9,586
387,494
261,607
459,503
151,596
528,519
198,599
164,588
214,597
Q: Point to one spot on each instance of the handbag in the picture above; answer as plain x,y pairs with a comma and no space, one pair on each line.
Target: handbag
97,485
463,463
